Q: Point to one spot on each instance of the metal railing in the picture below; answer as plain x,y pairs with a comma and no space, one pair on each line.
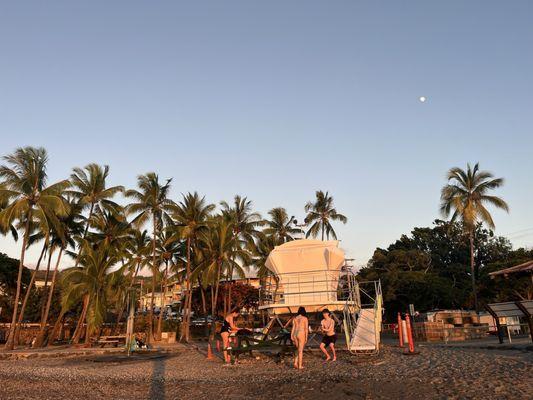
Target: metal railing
307,287
370,292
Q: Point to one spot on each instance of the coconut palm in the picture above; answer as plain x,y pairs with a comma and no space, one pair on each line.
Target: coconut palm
89,188
191,219
137,252
222,251
27,199
151,202
93,281
245,227
71,226
169,249
280,227
320,214
466,197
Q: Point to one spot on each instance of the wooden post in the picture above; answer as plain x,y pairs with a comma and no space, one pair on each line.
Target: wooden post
497,320
529,317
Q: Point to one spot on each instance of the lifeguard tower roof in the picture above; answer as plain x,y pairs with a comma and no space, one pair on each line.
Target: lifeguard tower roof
306,273
300,256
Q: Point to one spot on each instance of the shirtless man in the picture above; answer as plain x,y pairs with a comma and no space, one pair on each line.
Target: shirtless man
299,333
328,330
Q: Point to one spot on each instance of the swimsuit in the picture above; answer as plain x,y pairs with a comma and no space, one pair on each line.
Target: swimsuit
225,327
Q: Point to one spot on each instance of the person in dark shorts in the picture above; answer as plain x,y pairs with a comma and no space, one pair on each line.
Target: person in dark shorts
329,337
228,326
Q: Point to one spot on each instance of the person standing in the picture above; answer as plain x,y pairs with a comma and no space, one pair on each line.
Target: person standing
329,337
228,327
299,334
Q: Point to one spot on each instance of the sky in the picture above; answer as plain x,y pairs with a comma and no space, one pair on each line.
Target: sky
274,100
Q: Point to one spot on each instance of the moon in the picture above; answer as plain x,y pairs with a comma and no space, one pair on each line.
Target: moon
422,99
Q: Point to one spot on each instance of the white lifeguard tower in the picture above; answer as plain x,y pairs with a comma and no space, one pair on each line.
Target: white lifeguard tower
314,274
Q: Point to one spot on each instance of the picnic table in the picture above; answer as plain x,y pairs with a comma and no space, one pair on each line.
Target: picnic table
114,340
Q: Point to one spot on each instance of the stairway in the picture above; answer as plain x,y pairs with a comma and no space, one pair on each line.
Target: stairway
364,338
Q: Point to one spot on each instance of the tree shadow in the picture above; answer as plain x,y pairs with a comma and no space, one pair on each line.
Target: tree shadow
157,387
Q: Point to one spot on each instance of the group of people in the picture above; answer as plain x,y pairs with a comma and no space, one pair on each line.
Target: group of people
299,335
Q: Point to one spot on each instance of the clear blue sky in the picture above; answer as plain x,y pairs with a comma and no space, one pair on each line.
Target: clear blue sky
276,99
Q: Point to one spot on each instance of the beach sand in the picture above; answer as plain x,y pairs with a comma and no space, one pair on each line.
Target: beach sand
435,373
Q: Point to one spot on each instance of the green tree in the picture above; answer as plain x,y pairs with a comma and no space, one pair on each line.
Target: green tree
71,226
245,227
190,217
94,281
151,202
465,197
280,227
27,198
90,189
320,214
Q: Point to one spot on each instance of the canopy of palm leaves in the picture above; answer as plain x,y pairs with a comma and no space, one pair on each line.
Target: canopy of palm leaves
466,196
320,214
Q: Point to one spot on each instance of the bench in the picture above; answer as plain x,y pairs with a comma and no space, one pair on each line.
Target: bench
117,340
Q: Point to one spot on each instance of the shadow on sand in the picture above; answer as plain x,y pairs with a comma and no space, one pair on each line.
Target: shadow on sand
157,387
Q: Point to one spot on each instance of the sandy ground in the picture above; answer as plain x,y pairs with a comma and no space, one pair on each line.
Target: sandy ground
436,373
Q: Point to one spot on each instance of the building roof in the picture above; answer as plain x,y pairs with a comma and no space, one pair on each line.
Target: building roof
525,267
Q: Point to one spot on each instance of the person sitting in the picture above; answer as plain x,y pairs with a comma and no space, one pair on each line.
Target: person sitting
329,337
228,327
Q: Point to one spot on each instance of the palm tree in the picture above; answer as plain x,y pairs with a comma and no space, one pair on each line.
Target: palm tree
137,250
245,223
222,251
191,219
94,281
280,227
320,213
151,202
465,196
169,248
27,199
90,189
71,226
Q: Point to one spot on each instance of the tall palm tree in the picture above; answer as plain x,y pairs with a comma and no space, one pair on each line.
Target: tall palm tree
169,248
191,219
71,226
280,227
151,202
27,198
93,280
222,251
137,252
465,197
245,227
320,214
89,188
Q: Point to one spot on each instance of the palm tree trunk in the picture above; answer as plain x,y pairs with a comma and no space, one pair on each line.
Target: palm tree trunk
184,334
134,275
77,332
10,344
150,337
56,329
163,285
322,231
45,287
27,295
42,331
473,270
214,298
